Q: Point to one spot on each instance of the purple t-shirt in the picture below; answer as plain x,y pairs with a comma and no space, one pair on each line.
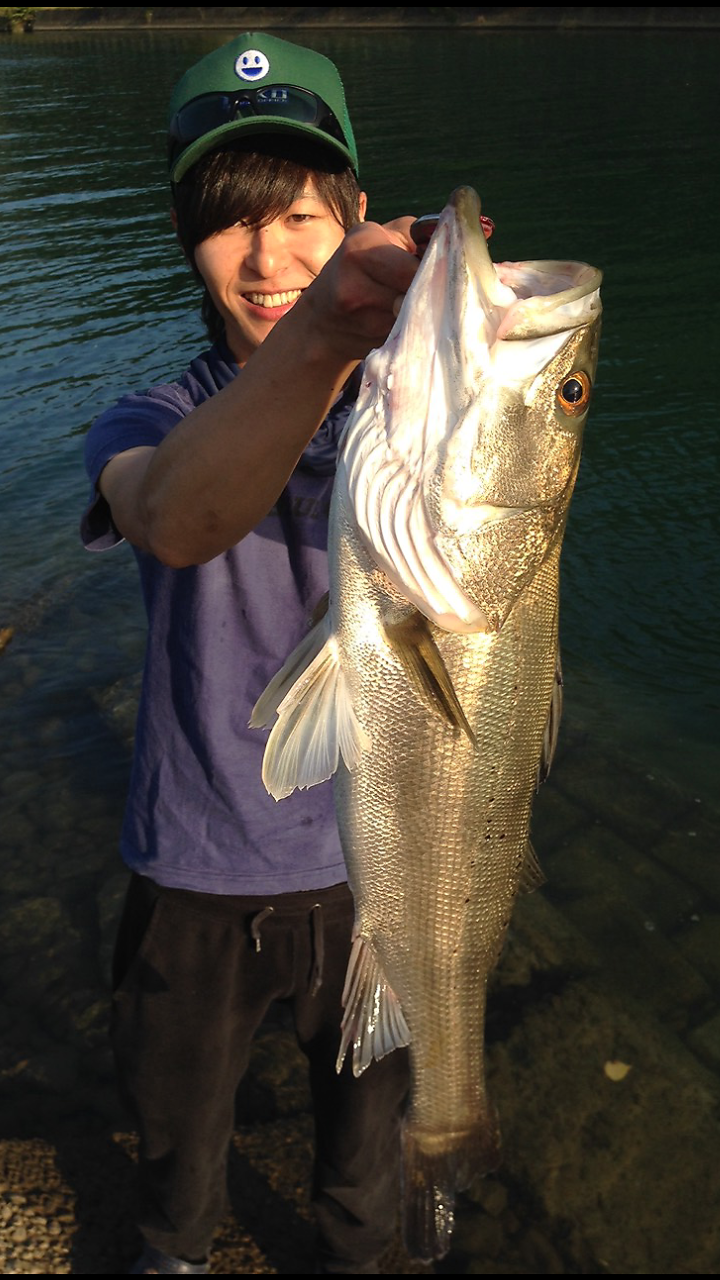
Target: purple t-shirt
198,815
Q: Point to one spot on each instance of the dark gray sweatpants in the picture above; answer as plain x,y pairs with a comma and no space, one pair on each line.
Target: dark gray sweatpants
195,974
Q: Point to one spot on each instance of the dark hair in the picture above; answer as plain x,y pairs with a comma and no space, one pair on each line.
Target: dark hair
237,184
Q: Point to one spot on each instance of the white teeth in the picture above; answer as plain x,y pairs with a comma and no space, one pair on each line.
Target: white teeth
273,299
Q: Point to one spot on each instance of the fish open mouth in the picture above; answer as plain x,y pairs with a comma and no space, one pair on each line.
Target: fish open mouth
426,476
521,300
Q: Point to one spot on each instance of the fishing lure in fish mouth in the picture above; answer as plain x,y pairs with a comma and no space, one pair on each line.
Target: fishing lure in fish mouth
423,227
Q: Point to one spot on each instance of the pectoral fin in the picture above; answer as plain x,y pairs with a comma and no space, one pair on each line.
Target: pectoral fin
412,641
316,723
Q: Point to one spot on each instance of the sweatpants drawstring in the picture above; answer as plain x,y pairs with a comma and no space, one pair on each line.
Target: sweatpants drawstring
317,938
318,947
255,925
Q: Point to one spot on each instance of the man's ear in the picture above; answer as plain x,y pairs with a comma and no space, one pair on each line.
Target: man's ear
174,220
362,205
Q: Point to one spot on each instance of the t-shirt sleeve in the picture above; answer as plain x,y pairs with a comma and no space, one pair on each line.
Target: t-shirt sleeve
135,420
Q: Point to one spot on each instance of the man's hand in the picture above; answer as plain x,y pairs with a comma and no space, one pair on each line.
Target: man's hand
218,472
352,305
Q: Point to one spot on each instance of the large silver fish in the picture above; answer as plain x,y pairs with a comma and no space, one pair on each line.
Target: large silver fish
431,688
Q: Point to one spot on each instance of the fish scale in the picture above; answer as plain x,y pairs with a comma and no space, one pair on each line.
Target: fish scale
430,690
458,861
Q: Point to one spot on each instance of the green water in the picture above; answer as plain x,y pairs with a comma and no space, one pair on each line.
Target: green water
592,146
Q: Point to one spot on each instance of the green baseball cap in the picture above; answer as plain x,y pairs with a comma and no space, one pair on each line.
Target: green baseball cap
259,84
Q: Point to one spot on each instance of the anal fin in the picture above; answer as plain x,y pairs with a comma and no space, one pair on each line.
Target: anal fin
373,1021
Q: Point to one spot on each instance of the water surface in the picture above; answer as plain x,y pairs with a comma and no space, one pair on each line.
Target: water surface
593,146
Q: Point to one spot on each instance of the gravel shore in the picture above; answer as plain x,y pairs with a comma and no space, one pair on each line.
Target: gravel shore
603,1037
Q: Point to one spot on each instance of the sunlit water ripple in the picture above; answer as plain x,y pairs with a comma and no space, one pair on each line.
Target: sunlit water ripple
618,169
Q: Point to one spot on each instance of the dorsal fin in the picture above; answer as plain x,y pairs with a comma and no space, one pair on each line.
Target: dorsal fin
552,726
532,876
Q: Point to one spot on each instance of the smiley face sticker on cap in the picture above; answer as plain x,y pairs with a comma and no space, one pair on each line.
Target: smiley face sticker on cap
252,65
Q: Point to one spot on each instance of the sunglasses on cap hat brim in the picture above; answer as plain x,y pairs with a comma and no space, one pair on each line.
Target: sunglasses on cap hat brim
274,103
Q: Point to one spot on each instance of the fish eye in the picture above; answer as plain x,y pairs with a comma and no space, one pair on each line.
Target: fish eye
573,394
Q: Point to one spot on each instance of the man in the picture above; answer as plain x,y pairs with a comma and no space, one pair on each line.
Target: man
221,481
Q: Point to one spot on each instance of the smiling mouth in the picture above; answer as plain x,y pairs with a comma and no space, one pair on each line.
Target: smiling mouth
273,299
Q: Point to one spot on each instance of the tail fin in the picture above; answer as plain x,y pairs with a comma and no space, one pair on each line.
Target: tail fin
435,1168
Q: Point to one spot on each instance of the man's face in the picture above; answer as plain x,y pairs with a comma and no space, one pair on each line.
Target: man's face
254,275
